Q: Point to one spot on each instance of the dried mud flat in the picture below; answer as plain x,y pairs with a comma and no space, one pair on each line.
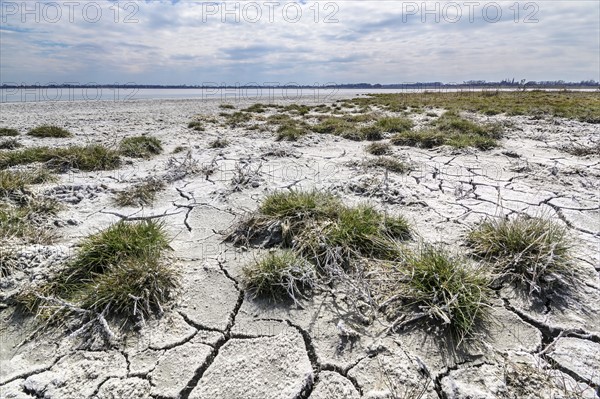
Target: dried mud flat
217,341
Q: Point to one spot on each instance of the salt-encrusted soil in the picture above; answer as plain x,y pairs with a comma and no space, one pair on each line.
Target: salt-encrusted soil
217,342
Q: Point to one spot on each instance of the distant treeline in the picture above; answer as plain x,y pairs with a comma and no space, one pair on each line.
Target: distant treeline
474,84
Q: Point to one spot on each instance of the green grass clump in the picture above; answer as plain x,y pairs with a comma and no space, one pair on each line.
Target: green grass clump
27,219
371,133
256,108
6,132
335,126
319,239
366,231
297,109
140,147
19,180
119,242
226,106
450,129
300,205
388,163
49,131
290,132
196,125
394,125
446,290
218,143
140,194
452,123
533,252
278,275
421,138
88,158
237,119
121,270
378,148
10,144
317,224
133,288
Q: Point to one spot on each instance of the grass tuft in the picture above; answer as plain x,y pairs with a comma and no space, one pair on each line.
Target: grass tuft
17,181
446,290
140,147
88,158
226,106
318,224
290,132
8,132
27,220
238,119
388,163
218,143
531,251
280,274
49,131
140,194
453,130
196,125
119,271
378,148
394,125
371,133
10,144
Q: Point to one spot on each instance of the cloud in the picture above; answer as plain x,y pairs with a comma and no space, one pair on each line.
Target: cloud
188,42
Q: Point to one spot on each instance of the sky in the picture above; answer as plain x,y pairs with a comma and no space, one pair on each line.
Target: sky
278,42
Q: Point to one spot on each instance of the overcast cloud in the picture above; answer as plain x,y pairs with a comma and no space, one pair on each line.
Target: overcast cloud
185,42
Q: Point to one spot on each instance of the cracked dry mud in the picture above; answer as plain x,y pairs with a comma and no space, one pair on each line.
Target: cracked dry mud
218,342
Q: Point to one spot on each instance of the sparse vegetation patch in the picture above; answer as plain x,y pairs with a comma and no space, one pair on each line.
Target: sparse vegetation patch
318,228
49,131
388,163
140,147
453,130
8,132
140,194
12,181
378,148
26,219
88,158
196,125
10,144
218,143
